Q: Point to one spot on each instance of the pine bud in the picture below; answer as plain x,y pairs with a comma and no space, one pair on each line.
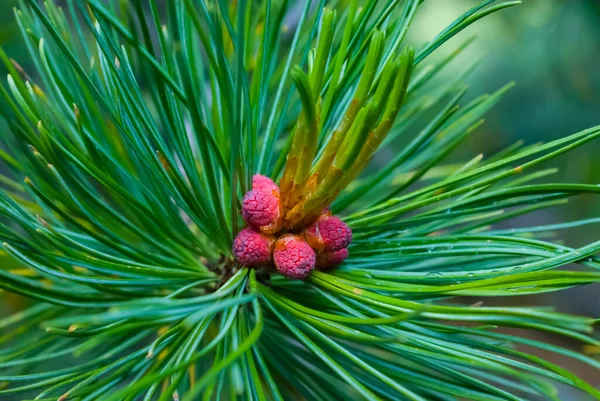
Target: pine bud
293,257
263,211
329,234
252,248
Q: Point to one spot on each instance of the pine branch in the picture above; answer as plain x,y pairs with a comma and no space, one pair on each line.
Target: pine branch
133,141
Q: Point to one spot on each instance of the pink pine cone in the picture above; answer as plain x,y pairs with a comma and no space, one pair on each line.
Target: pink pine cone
293,257
264,183
327,260
262,210
252,248
329,234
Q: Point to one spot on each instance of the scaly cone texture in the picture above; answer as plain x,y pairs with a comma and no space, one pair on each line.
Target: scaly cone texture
252,248
262,210
293,257
264,183
328,234
295,253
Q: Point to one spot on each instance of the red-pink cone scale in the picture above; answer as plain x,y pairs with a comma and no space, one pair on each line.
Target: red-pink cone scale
264,183
329,234
293,257
252,248
262,210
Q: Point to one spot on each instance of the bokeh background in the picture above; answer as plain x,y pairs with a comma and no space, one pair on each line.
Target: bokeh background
551,49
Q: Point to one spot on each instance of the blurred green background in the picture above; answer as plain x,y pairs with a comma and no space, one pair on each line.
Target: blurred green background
551,49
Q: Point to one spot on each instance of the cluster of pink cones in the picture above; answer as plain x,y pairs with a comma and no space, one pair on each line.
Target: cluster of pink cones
322,244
